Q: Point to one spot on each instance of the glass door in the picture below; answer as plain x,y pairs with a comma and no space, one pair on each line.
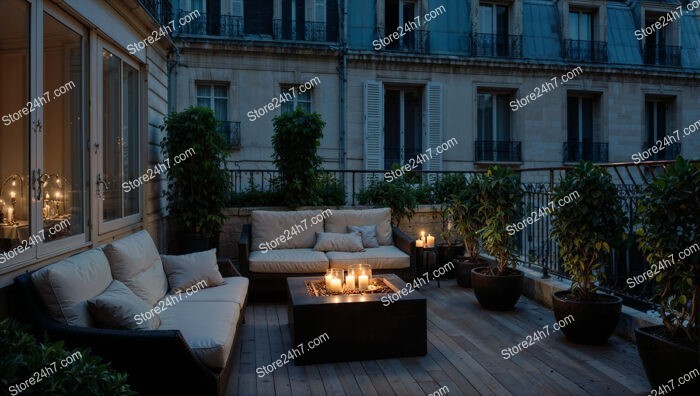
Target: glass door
60,179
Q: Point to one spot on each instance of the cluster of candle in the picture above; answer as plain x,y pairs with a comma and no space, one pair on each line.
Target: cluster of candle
425,241
357,278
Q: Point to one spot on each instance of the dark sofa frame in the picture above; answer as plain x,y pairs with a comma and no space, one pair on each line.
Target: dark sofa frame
264,282
156,361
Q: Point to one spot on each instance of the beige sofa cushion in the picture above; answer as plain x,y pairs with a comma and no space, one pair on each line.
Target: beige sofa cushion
136,263
189,269
383,257
276,230
288,261
65,286
341,219
233,290
118,308
349,242
208,327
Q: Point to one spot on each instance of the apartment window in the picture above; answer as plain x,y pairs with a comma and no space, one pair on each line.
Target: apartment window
581,141
120,137
403,126
215,97
657,120
259,16
198,25
581,25
581,44
294,98
237,8
657,50
400,13
494,128
492,37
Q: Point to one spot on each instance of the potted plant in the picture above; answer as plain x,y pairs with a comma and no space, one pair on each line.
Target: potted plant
446,188
668,234
499,287
21,356
464,210
586,231
397,195
198,187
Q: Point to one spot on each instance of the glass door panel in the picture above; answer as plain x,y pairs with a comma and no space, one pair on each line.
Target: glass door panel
14,131
63,187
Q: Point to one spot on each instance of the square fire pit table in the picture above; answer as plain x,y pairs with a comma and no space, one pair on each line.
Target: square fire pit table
359,326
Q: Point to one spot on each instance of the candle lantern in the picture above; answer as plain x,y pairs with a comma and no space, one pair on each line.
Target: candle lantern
363,275
334,280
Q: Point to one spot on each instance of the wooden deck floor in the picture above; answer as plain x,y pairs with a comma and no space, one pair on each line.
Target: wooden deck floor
464,354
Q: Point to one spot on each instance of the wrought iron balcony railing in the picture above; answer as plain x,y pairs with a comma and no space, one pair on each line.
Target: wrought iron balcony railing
210,25
497,151
231,130
312,31
496,45
668,153
415,41
161,10
586,150
664,55
586,50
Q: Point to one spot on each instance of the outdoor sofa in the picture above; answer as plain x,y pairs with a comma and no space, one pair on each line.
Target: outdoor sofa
267,264
188,353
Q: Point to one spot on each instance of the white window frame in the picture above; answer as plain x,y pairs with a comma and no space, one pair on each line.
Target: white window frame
213,96
296,98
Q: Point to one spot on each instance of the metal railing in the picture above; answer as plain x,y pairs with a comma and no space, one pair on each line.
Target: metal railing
586,150
496,45
586,50
537,249
231,130
312,31
662,55
160,10
414,41
210,25
497,151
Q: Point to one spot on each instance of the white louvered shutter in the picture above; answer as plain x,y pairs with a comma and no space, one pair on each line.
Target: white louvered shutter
433,126
374,125
237,8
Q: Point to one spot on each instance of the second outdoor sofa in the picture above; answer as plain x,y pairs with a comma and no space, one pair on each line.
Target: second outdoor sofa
268,264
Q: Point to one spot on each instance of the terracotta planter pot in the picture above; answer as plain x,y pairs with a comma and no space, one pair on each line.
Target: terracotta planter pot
497,292
664,360
594,322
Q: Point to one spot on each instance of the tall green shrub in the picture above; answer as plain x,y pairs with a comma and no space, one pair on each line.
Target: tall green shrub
199,186
669,223
587,228
500,197
397,195
295,141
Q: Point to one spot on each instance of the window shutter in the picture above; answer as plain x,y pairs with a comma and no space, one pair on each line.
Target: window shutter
320,11
374,125
433,126
237,7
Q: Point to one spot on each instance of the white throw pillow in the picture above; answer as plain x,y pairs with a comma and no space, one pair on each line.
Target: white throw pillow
191,269
331,241
136,263
118,308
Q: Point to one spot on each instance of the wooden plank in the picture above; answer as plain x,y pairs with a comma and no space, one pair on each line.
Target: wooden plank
281,375
347,379
363,380
263,356
380,382
330,379
244,368
297,375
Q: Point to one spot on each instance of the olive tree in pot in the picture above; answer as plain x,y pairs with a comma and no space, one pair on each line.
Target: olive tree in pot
500,196
586,230
464,209
198,186
668,234
451,245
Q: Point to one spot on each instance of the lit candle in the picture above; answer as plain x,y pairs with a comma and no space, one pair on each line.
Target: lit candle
350,281
336,285
13,194
10,215
422,236
363,281
58,195
431,241
328,282
419,243
48,196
